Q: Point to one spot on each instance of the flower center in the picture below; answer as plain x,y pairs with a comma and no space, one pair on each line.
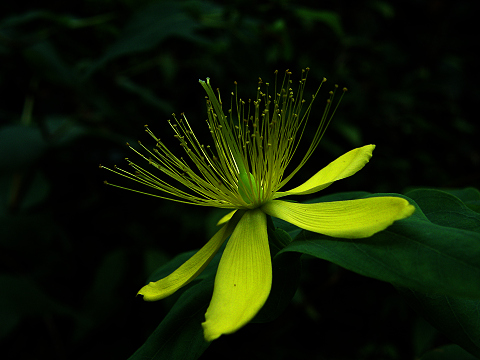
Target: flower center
252,147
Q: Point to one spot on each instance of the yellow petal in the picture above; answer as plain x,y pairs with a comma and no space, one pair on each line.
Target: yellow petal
191,268
244,278
226,218
347,219
344,166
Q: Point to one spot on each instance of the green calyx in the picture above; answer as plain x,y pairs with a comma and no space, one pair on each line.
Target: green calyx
248,187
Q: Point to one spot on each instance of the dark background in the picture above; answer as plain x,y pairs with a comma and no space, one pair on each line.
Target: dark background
79,78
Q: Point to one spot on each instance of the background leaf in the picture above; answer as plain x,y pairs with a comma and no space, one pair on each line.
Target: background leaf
150,26
25,144
447,210
21,298
286,277
448,352
180,334
413,252
457,318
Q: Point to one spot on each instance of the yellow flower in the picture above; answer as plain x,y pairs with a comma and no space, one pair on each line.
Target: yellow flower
253,144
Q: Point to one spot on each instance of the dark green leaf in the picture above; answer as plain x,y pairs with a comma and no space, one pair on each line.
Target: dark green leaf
457,318
145,94
329,18
24,143
180,334
48,62
448,352
286,275
63,130
444,209
469,196
413,252
20,297
21,192
150,26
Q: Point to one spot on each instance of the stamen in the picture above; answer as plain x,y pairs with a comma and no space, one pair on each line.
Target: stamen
252,147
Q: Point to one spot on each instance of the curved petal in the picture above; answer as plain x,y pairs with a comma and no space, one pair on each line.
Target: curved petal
226,218
243,280
190,269
347,219
344,166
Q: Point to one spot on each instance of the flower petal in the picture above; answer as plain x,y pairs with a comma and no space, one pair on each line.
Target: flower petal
344,166
244,277
347,219
226,218
190,269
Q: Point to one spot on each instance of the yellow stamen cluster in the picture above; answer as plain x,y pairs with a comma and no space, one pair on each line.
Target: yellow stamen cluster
253,146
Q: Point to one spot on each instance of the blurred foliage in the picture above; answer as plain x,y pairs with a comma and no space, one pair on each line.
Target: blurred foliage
80,78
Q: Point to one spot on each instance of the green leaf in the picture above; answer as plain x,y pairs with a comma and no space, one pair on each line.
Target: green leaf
469,196
444,209
148,28
457,318
448,352
48,62
19,298
25,144
66,20
413,252
21,193
99,300
63,130
180,334
144,93
329,18
286,275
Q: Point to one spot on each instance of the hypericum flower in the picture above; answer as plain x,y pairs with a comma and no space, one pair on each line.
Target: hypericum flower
244,170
